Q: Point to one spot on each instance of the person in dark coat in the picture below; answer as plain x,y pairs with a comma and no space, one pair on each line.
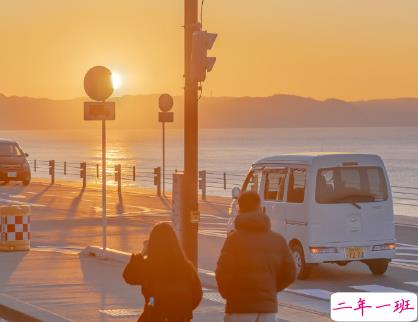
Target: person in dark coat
170,283
255,263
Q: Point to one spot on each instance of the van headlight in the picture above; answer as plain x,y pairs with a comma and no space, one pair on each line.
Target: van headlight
387,246
323,250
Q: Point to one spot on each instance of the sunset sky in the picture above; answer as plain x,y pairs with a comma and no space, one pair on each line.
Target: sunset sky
347,49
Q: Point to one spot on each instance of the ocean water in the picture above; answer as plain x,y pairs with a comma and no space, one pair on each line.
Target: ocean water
232,150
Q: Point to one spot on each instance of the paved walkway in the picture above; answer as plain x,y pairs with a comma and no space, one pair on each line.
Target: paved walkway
65,219
83,288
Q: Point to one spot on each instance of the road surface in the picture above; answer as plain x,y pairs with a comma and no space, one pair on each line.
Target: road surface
66,219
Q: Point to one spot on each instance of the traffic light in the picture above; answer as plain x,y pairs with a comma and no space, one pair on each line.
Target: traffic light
202,41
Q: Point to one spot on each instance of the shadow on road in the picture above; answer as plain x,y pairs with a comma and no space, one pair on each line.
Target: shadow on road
120,207
38,195
166,202
72,209
105,278
9,261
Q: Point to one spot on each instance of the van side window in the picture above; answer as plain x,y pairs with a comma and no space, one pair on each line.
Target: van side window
297,182
274,185
252,181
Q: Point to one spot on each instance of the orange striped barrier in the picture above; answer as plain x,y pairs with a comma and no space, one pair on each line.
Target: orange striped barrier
14,227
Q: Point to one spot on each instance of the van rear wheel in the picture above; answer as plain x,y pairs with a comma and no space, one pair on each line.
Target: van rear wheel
378,266
303,270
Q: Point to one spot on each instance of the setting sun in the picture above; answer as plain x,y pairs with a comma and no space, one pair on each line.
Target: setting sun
116,80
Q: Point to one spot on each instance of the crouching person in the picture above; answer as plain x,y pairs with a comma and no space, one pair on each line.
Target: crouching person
255,264
170,284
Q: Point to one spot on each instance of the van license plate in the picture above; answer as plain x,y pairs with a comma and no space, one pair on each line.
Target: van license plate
12,174
354,252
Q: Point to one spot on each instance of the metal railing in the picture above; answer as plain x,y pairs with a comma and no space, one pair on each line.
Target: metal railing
131,175
214,182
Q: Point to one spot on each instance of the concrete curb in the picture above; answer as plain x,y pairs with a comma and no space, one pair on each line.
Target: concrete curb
15,310
110,254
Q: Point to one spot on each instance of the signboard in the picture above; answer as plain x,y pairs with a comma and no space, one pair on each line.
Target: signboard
165,117
99,111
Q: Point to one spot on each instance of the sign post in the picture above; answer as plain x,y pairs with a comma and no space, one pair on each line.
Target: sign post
98,86
165,116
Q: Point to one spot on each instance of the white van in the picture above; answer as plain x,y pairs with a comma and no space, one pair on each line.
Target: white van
330,207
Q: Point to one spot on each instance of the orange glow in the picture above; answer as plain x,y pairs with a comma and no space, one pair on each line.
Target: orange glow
348,50
116,80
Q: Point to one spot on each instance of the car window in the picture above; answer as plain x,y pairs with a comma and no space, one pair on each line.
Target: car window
10,150
275,185
252,182
297,183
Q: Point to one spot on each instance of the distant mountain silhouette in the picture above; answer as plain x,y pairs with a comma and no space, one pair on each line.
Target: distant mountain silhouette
140,111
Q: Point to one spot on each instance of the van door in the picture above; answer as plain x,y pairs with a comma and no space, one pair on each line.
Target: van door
251,183
353,205
296,213
273,197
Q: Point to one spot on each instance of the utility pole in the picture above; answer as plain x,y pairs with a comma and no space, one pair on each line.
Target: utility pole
190,181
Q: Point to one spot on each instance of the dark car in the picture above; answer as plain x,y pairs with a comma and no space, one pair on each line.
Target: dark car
13,163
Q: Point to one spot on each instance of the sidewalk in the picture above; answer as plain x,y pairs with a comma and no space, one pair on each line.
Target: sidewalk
83,288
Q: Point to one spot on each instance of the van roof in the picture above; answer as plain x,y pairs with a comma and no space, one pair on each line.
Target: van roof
309,157
6,141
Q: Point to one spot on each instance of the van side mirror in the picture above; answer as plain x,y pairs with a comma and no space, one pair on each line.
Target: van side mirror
26,154
236,191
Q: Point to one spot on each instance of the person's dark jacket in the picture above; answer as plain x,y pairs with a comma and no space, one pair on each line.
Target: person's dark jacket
175,298
255,264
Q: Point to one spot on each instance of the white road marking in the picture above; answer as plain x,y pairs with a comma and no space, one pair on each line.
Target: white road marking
406,248
407,254
316,293
206,272
312,292
376,288
18,196
408,245
213,216
119,313
412,283
213,232
411,267
15,202
214,297
397,260
64,250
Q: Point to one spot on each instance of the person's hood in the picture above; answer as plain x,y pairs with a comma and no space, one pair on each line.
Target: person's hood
252,221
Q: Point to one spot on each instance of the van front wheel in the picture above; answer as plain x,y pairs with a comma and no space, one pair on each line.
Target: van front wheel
378,266
303,270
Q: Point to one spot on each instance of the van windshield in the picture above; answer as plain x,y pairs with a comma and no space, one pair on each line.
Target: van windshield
8,149
351,185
